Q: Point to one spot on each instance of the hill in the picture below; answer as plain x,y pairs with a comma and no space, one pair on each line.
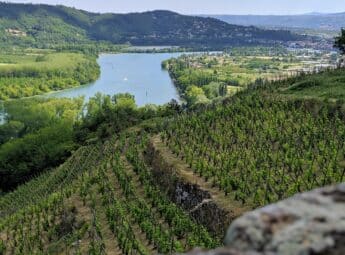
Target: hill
173,182
333,22
44,25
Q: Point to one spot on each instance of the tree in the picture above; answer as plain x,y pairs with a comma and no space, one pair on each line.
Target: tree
340,41
195,95
25,157
10,130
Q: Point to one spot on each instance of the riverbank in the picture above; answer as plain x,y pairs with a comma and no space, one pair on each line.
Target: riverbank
139,74
34,74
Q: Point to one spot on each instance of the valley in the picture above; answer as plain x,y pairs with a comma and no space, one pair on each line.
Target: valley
174,171
113,142
165,179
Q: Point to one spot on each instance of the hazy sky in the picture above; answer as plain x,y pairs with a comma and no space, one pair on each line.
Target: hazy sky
204,6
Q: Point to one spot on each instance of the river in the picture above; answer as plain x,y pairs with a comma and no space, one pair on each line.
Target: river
139,74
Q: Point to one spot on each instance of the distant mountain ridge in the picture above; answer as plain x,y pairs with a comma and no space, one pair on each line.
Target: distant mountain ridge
326,21
44,24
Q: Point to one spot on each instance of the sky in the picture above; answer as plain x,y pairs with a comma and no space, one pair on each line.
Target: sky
203,6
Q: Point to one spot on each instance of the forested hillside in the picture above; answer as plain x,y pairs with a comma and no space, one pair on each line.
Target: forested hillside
46,26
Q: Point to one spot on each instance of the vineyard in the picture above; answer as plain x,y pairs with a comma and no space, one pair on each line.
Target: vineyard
102,201
258,150
129,194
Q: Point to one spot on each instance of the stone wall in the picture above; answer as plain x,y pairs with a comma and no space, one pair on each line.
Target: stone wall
194,199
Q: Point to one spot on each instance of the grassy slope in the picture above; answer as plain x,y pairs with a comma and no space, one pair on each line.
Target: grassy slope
50,62
326,85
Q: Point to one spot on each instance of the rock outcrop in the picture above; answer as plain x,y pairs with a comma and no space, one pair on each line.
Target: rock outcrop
309,223
221,251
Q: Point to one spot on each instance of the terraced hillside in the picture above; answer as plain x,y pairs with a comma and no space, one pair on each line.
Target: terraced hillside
102,201
174,183
258,150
